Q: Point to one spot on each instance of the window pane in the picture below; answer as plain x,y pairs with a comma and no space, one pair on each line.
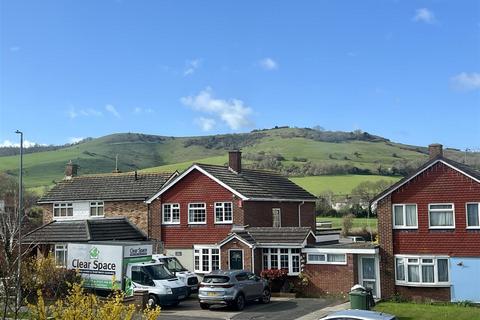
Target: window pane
274,261
411,215
284,261
398,215
472,215
265,261
218,212
441,218
316,257
228,211
295,263
427,274
413,273
441,206
442,265
400,268
215,260
100,211
205,260
335,257
93,211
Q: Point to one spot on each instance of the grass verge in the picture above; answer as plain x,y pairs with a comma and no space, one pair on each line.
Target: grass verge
418,311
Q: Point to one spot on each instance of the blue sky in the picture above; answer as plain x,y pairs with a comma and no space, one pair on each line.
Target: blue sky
405,70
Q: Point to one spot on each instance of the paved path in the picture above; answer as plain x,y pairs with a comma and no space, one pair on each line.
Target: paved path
277,309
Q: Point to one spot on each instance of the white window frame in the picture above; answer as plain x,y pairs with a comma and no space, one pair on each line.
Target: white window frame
269,254
173,206
325,261
198,252
441,204
60,205
279,210
96,205
221,205
404,208
466,215
419,263
190,208
63,248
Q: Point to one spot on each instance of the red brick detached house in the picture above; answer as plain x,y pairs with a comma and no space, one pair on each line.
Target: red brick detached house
429,230
195,214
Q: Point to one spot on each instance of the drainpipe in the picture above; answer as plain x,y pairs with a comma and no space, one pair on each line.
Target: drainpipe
299,217
253,259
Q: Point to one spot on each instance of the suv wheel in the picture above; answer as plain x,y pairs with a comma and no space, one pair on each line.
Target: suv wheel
266,295
204,306
152,301
239,302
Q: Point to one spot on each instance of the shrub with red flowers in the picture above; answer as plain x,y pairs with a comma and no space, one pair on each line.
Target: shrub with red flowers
276,278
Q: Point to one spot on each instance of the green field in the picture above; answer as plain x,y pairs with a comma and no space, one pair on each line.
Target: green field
337,184
419,311
357,222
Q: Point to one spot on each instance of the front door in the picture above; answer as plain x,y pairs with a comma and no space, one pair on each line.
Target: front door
235,258
367,273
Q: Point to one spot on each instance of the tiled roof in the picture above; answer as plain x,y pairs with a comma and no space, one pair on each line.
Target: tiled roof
85,230
258,183
346,245
459,166
117,186
273,236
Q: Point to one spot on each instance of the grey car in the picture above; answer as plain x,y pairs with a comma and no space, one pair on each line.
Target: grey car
353,314
232,288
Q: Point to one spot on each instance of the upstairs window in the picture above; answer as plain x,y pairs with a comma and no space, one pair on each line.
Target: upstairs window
276,218
197,213
62,210
170,213
473,217
441,216
96,209
223,212
405,216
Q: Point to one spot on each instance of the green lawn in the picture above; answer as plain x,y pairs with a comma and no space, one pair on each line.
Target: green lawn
407,311
357,222
341,184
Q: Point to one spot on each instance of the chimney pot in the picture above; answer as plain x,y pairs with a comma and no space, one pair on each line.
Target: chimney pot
435,150
71,170
235,161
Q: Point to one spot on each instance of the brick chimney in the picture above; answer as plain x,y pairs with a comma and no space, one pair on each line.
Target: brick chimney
235,161
70,170
435,150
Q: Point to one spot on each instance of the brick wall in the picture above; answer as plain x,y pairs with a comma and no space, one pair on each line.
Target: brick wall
135,211
235,244
331,279
424,294
385,234
47,210
259,213
195,187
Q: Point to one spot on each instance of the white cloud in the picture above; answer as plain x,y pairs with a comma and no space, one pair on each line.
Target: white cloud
191,66
206,124
26,144
424,15
268,64
73,113
138,110
75,139
233,111
110,108
466,81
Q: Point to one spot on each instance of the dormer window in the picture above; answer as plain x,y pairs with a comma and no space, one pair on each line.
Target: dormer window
96,209
64,209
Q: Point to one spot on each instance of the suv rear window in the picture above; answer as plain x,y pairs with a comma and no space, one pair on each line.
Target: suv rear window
216,279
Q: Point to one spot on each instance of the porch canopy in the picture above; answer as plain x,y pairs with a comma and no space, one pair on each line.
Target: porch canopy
84,231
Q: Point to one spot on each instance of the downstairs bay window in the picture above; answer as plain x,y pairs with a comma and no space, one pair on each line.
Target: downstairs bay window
206,259
421,271
282,258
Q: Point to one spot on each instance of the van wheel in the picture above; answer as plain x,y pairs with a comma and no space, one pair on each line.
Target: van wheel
266,295
204,306
239,303
152,301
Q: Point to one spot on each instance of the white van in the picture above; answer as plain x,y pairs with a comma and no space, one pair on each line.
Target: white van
188,278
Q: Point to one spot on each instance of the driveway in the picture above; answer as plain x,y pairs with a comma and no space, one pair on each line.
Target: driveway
278,308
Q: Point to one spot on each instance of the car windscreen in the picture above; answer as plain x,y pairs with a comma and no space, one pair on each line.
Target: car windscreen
158,272
173,264
216,279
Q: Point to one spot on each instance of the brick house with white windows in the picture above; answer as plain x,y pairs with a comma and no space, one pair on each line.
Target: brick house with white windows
429,230
95,207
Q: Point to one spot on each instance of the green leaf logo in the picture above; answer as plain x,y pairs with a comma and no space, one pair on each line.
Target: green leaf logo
94,252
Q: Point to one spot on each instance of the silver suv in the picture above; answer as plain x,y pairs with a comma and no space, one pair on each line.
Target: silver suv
232,288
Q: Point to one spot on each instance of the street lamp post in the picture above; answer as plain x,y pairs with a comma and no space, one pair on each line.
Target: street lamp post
20,218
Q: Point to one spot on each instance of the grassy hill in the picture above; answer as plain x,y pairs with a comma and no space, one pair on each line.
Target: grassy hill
291,151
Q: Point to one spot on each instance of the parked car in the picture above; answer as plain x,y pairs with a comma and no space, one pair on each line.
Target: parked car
359,315
232,288
174,266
